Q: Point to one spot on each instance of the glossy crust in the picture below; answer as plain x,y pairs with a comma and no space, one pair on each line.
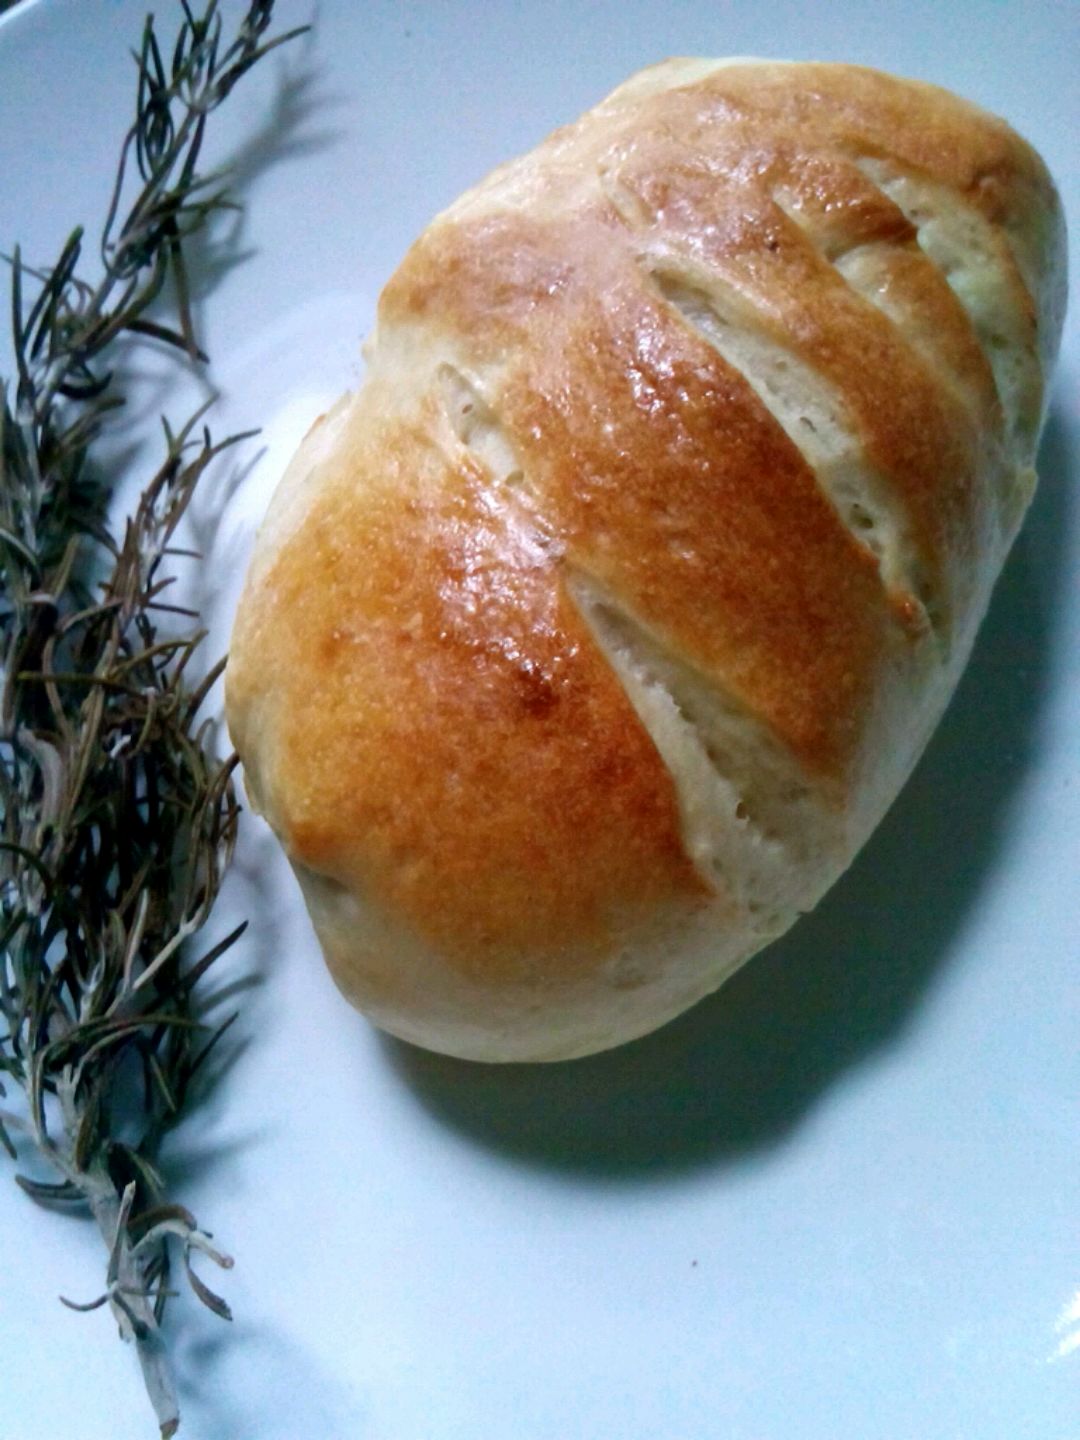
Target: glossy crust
585,645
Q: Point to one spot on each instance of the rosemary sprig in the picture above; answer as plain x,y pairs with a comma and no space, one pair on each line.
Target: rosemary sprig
116,822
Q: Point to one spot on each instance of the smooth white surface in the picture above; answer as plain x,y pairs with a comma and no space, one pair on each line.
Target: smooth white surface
842,1199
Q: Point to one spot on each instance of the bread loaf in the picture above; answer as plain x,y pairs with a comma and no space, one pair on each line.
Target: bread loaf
584,646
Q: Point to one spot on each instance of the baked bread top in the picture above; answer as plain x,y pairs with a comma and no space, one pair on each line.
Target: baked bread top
585,645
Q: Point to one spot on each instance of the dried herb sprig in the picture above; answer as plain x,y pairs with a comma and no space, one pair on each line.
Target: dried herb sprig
116,822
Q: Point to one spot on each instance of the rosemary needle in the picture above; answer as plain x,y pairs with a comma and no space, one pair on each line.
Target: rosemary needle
116,822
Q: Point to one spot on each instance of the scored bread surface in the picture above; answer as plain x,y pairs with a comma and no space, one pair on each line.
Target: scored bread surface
586,643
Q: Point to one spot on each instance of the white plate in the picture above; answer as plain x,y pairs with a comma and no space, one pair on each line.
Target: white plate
842,1199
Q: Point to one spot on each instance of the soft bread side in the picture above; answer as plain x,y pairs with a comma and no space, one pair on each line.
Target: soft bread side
586,644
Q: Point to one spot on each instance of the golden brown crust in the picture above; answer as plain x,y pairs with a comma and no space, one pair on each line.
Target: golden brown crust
447,724
608,366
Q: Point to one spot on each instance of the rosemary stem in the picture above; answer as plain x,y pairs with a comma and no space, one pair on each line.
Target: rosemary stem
97,304
129,1303
128,1296
116,821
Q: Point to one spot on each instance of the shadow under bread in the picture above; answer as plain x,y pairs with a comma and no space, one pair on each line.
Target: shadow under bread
741,1069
